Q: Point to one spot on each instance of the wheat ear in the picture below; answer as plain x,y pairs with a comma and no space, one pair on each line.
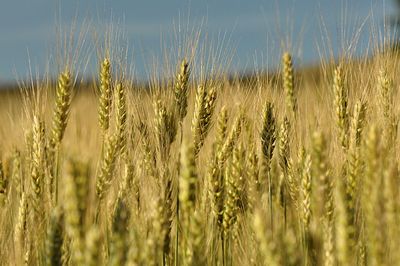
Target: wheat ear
3,185
55,238
288,83
268,138
385,87
341,102
121,115
37,156
181,90
62,108
320,160
119,239
105,95
107,166
93,247
203,110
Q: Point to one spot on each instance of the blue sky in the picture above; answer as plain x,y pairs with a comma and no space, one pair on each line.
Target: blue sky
255,29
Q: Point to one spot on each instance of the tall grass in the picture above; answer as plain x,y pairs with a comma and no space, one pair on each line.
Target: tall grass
295,173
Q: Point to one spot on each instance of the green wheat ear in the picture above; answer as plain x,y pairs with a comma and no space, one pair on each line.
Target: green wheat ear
268,134
105,95
54,239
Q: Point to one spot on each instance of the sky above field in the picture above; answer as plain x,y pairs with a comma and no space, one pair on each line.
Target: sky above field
251,33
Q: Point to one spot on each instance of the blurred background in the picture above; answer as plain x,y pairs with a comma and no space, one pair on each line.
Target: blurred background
251,34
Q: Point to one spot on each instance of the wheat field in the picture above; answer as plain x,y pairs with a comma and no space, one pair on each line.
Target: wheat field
299,167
